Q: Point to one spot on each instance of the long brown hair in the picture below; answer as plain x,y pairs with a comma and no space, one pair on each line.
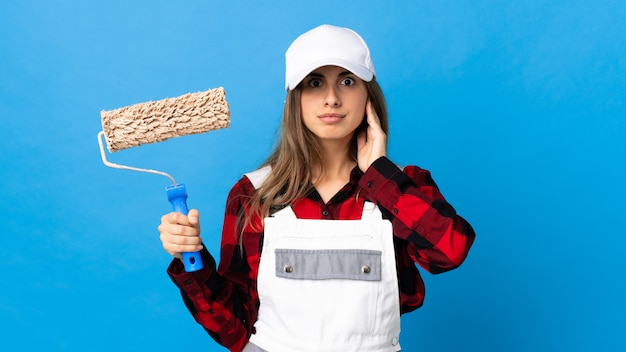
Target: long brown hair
296,152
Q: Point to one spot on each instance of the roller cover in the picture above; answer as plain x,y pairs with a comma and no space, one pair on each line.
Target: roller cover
157,121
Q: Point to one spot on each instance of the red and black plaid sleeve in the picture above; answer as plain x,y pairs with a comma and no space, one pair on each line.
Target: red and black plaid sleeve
224,300
438,239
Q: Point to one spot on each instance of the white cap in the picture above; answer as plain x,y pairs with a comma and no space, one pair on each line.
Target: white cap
327,45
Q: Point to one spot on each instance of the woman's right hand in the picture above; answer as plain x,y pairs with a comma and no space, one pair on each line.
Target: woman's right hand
180,233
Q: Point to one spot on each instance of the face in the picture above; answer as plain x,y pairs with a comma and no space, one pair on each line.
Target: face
333,103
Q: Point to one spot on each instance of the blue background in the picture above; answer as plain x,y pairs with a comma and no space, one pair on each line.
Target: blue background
516,107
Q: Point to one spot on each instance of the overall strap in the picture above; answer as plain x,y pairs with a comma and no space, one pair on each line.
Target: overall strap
371,211
257,177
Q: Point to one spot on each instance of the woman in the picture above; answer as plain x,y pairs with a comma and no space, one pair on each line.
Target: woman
319,245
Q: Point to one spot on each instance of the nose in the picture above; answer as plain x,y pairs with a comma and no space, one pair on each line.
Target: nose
332,97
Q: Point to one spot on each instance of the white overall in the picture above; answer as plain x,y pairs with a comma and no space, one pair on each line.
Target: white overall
327,285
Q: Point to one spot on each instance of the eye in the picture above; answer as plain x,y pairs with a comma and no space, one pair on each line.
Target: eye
314,83
348,81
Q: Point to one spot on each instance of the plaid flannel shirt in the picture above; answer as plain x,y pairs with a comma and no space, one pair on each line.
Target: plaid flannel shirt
427,231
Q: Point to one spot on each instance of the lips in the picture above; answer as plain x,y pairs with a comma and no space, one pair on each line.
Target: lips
330,117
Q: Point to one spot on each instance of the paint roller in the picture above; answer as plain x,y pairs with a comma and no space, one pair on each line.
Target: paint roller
156,121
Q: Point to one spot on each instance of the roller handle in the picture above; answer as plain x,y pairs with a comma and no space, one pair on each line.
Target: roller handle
177,195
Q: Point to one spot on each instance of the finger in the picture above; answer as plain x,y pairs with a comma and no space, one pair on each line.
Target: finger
174,245
176,240
368,110
177,229
372,117
194,217
175,218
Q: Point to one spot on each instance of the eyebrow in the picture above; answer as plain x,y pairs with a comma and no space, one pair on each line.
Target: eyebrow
319,75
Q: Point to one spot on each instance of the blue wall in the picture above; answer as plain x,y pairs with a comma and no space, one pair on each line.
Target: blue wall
517,108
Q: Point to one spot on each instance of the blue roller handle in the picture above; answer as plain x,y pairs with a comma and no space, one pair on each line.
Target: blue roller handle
177,195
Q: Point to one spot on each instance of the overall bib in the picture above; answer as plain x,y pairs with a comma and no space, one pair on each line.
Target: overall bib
327,285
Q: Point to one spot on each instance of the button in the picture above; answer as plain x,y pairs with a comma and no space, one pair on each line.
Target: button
288,268
394,341
366,269
325,213
188,282
395,210
369,185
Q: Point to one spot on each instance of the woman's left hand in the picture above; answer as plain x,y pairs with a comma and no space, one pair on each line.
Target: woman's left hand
371,142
